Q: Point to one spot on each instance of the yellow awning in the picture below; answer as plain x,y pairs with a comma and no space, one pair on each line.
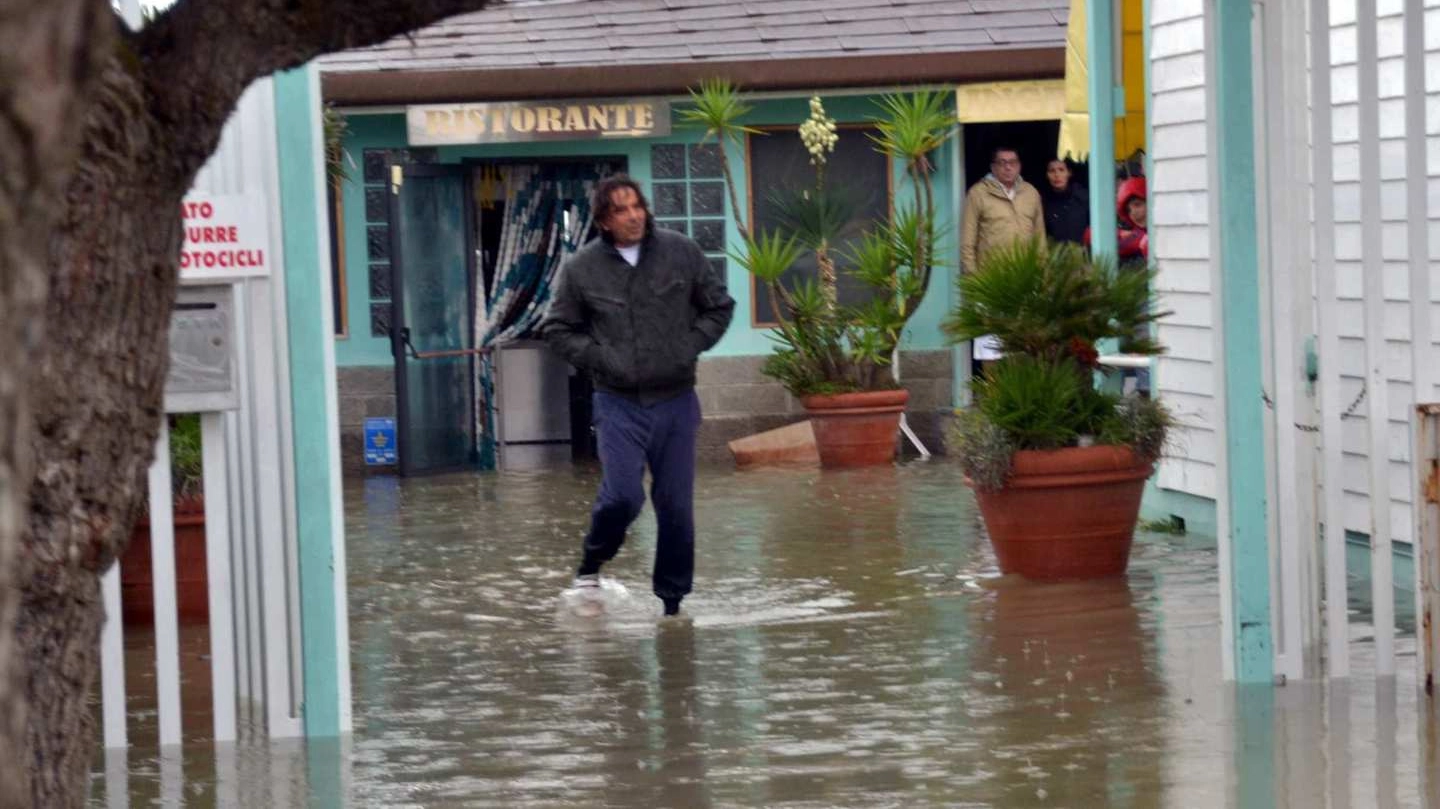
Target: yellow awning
997,101
1075,120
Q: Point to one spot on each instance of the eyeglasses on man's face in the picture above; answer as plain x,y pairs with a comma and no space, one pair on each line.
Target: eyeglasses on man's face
1006,161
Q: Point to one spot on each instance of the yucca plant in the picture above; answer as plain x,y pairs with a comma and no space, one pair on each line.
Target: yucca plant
717,107
913,127
822,346
767,258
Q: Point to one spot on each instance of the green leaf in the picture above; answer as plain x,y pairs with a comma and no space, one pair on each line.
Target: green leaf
717,107
816,216
914,124
1038,299
769,257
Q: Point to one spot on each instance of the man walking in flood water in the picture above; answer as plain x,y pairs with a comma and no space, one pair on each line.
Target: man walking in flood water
635,309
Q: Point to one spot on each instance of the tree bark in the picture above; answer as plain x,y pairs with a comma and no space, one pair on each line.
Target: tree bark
49,56
96,380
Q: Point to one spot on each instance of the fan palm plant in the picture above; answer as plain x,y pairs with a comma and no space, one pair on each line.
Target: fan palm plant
1049,305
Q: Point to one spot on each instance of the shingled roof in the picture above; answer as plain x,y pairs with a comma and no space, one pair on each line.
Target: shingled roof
759,37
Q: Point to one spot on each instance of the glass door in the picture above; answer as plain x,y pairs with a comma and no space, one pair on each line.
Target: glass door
432,336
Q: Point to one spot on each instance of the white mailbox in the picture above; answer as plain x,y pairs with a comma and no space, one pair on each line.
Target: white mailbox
203,343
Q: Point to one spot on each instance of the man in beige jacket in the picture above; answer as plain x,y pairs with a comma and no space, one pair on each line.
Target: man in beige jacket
999,210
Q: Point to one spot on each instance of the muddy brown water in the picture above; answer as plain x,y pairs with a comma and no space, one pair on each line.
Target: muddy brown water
849,644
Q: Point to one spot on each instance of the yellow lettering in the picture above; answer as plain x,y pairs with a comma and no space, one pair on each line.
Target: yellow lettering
550,120
574,121
644,116
599,117
475,121
522,119
437,122
497,121
622,115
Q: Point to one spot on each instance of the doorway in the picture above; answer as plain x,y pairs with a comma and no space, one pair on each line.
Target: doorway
1034,141
475,251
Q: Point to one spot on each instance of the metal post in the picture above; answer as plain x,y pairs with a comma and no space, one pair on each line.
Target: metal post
1100,29
904,423
1427,543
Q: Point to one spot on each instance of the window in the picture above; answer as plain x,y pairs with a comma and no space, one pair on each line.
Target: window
688,195
779,165
377,228
377,239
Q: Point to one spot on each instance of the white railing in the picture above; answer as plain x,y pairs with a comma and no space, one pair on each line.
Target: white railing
1354,235
250,535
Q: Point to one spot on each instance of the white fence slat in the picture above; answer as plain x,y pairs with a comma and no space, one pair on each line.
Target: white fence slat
217,566
162,565
1327,304
1422,357
112,662
1382,561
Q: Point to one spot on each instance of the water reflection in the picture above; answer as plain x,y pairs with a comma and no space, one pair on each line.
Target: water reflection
1076,711
850,643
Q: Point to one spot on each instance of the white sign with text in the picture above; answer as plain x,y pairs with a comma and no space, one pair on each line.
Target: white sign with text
226,236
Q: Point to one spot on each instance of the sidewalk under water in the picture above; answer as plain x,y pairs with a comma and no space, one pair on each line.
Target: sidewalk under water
850,643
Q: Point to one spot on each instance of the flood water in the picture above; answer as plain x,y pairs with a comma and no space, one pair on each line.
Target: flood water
850,643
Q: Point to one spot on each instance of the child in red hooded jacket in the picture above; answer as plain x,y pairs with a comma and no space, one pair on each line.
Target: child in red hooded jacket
1133,240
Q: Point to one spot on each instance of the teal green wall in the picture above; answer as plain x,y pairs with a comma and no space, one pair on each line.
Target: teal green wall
388,132
1197,512
306,302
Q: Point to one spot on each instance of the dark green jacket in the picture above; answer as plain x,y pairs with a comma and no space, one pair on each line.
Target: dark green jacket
639,330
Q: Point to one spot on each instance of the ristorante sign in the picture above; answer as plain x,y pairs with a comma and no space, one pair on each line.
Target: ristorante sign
440,124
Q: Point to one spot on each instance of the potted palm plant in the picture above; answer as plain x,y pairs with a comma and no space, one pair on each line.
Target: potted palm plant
837,359
1058,464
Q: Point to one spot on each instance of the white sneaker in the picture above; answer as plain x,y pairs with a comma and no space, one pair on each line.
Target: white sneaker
586,597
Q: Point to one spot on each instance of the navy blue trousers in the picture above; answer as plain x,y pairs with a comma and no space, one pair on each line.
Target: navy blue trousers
631,437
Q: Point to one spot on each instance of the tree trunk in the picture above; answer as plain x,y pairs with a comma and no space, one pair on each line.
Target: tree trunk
49,54
95,381
102,371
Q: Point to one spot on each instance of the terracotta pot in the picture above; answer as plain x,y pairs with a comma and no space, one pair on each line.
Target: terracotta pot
856,429
1067,513
137,584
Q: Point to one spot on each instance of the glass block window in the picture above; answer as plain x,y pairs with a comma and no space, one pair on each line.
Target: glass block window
377,227
688,195
377,239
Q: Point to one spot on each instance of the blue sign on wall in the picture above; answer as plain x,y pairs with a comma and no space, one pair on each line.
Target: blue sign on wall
380,442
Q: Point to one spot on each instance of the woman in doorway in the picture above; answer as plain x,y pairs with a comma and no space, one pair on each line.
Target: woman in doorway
1067,205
